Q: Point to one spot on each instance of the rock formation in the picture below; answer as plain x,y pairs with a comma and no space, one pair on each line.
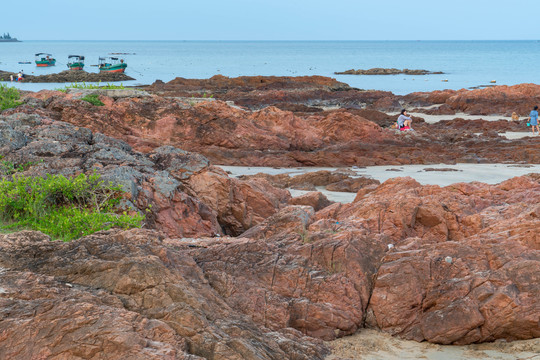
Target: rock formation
385,71
228,135
158,184
228,268
124,294
68,76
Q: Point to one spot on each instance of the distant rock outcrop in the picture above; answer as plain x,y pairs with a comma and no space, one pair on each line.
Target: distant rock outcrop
387,71
68,76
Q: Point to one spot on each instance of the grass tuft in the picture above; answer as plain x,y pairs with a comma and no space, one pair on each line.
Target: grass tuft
64,208
93,99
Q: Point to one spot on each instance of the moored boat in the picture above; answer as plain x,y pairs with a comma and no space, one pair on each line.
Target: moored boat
75,62
112,64
44,59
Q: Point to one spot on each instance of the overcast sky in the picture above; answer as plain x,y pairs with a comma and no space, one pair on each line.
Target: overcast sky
271,20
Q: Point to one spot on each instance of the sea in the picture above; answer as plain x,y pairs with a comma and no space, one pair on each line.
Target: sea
466,64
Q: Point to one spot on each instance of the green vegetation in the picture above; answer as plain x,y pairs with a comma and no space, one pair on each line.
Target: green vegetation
64,208
8,168
91,86
9,97
93,99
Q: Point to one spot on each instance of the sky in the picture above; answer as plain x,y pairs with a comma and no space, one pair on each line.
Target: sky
271,20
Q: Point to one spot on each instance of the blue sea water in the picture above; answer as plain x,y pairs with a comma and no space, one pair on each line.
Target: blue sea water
465,63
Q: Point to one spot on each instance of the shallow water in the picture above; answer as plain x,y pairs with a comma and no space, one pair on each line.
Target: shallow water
465,63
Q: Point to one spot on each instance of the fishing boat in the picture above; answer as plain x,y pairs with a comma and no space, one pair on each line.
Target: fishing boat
112,64
44,59
75,62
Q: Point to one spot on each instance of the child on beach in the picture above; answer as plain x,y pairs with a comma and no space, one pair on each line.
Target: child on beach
533,120
404,121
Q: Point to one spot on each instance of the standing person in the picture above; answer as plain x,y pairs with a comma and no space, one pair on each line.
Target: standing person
404,120
533,119
19,77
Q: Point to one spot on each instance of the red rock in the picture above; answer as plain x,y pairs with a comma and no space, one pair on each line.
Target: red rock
315,199
124,294
239,204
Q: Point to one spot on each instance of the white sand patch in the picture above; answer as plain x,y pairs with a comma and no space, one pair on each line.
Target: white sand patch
431,119
374,345
511,135
342,197
486,173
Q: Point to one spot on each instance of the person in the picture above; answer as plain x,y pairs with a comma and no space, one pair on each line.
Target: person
533,120
515,116
19,77
404,121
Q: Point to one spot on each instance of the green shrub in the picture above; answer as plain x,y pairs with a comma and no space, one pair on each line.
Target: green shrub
9,168
64,208
93,99
9,97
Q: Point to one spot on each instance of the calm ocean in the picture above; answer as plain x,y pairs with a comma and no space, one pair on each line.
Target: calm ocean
465,63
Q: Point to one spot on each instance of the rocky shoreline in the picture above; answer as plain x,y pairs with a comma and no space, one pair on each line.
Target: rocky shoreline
237,268
68,76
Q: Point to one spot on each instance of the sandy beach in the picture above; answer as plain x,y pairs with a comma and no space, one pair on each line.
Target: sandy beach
373,345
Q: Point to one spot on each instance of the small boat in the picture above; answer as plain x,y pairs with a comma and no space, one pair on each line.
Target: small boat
112,64
75,62
44,59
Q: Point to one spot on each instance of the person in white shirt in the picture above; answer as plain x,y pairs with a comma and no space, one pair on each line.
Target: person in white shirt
404,120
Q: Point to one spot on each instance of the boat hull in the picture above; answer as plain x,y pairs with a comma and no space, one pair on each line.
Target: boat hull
116,68
76,66
45,63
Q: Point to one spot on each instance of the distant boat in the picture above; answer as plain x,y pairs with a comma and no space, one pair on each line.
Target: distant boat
8,38
75,62
25,62
44,59
112,64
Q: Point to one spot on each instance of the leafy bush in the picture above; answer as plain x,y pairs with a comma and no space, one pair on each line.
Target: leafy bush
9,168
93,99
9,97
64,208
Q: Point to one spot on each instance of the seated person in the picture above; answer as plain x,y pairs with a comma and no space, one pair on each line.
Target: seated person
404,121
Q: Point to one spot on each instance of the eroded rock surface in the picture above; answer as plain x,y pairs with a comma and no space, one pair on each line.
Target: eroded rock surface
124,295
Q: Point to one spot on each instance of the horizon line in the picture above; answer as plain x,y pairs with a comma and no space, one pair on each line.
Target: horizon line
281,40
